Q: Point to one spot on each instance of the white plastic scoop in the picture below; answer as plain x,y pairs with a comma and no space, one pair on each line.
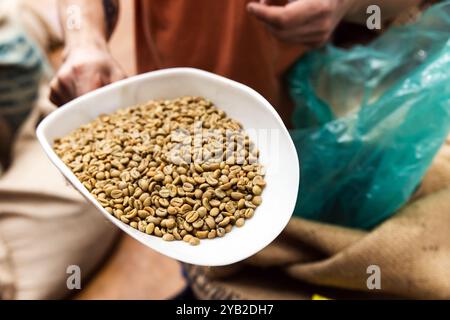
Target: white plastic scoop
264,126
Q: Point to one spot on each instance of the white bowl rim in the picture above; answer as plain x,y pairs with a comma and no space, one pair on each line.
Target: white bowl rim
163,72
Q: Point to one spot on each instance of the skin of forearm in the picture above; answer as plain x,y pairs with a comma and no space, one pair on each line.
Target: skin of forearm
389,9
85,22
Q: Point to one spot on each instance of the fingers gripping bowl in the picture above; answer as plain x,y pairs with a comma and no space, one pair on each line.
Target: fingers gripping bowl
259,120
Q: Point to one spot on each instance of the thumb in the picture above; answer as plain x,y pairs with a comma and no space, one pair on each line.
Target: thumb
272,15
118,74
275,2
90,83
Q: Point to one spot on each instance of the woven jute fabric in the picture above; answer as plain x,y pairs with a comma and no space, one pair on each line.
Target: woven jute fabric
411,249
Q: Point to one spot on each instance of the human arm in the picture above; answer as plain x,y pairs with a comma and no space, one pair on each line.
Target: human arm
88,64
312,22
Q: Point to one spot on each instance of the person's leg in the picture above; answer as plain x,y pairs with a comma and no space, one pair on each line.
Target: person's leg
35,203
45,225
135,272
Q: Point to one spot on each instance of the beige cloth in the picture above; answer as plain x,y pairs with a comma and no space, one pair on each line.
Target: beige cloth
412,250
45,225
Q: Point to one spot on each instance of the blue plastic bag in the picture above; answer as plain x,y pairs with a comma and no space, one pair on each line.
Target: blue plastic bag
369,121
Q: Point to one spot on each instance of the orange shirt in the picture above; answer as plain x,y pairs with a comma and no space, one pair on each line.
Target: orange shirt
219,36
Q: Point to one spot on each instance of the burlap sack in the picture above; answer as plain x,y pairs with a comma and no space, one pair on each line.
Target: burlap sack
412,251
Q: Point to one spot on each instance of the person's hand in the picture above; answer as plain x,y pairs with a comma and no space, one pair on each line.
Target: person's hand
307,22
84,69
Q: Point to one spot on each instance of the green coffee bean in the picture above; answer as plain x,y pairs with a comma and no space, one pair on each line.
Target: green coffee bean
240,222
115,194
187,237
236,195
212,234
168,237
149,229
214,212
157,232
257,200
170,223
176,234
220,232
224,222
198,224
172,210
143,214
192,216
161,212
202,212
210,222
201,234
214,202
194,241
